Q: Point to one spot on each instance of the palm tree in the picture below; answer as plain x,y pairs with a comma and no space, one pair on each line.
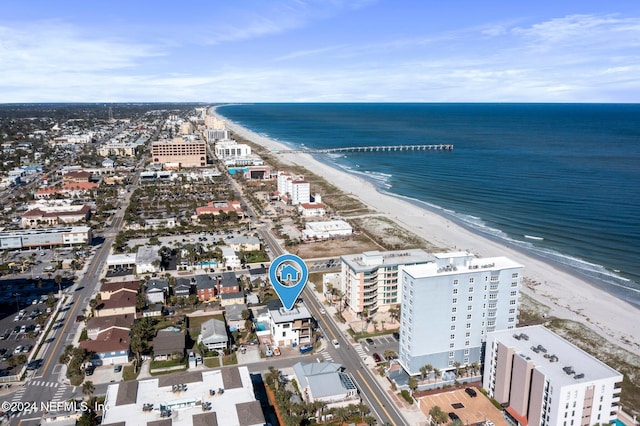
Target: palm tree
413,384
88,388
423,372
429,369
436,373
437,415
457,365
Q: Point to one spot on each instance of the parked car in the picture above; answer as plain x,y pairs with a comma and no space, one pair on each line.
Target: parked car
17,350
453,416
26,348
117,368
89,370
377,357
276,351
471,392
369,341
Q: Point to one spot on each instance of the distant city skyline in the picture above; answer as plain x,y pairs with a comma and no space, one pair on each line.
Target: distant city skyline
320,51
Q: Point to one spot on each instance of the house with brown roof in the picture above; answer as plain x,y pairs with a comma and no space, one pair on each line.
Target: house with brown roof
120,303
109,347
108,289
97,325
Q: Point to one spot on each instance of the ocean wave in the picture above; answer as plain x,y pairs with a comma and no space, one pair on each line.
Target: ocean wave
581,266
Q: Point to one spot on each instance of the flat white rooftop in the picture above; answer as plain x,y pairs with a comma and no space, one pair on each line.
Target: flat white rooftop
142,402
559,360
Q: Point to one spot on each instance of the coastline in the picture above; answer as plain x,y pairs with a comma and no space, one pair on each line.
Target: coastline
566,294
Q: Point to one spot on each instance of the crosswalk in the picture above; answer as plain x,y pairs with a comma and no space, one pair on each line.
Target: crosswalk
32,407
358,348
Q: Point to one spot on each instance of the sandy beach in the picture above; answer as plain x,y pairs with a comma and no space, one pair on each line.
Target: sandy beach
567,296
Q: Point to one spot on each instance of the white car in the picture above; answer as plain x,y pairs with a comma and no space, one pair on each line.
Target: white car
322,311
336,344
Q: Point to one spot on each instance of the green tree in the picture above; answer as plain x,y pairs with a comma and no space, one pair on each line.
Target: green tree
88,388
437,415
457,365
413,383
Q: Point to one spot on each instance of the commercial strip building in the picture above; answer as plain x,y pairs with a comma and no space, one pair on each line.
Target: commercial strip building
449,305
45,237
542,379
216,397
371,280
325,230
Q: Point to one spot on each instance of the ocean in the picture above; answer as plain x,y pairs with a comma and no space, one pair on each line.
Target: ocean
560,181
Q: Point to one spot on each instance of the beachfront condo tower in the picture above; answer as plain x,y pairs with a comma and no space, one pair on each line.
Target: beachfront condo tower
449,305
370,281
543,380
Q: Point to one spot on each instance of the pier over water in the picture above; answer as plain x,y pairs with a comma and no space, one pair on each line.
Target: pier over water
387,148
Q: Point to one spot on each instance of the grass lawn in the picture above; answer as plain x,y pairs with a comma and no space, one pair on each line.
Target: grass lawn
167,364
212,362
128,373
230,359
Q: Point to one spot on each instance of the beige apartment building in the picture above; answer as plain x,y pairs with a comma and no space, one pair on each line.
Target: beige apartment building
542,379
180,152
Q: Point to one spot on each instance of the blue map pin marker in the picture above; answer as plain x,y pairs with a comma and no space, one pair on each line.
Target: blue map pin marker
288,275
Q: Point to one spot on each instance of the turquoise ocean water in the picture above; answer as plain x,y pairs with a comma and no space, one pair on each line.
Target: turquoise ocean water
560,181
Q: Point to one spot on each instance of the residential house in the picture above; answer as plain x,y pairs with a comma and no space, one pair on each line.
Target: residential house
96,325
156,291
233,315
213,335
230,257
206,287
154,310
325,382
183,288
111,288
169,344
289,327
109,347
120,303
234,298
227,283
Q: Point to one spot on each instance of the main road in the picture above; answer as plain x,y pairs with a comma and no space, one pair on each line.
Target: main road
45,384
372,393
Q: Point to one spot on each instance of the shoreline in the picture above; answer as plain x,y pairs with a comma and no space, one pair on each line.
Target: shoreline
564,292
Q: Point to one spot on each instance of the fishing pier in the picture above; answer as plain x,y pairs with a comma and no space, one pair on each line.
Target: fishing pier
387,148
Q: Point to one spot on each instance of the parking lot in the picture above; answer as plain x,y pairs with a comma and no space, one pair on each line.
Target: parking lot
378,345
470,410
18,334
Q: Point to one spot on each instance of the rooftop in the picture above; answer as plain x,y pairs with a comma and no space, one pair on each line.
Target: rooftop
460,263
185,395
374,259
560,361
280,315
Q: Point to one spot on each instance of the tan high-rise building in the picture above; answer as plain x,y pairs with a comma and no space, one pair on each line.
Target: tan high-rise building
543,380
184,153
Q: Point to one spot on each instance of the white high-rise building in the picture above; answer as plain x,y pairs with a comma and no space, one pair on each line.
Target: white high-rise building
371,280
543,380
448,307
293,189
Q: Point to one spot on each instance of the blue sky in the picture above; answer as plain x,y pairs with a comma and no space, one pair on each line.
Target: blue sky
320,51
